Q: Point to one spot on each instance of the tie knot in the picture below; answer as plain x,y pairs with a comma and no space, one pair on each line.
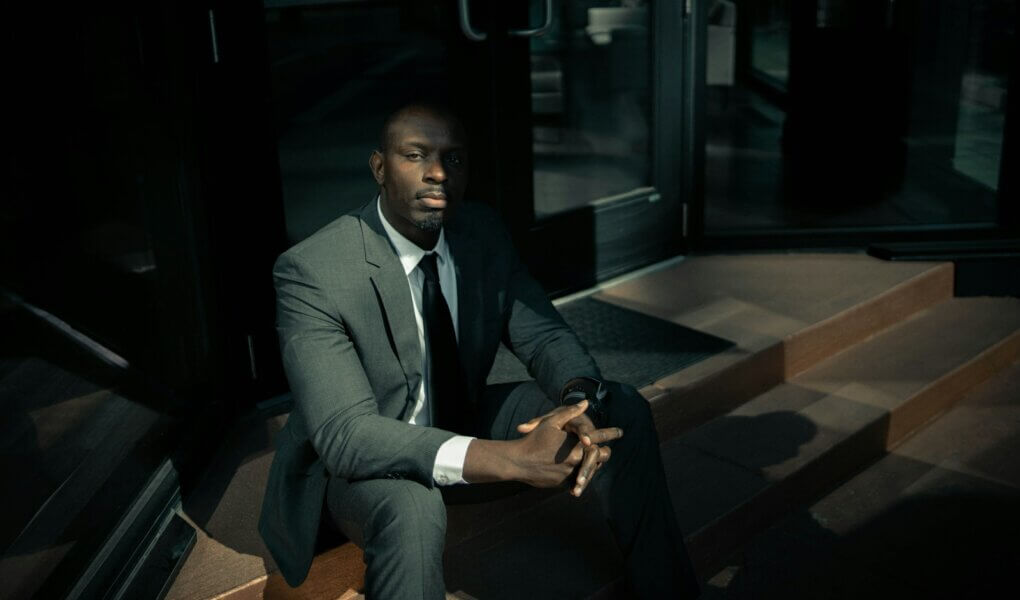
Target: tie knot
429,267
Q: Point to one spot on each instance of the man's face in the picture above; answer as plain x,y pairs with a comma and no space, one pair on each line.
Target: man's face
422,172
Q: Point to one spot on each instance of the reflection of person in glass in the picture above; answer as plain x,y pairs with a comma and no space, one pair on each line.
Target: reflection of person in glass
389,320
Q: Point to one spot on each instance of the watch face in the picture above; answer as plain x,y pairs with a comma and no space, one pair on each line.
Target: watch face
593,388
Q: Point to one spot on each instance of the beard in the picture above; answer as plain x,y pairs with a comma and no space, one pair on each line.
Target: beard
432,222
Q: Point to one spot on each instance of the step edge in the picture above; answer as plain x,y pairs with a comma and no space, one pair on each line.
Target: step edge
969,374
940,278
249,590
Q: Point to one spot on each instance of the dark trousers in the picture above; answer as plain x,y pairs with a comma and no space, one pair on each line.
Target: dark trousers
401,524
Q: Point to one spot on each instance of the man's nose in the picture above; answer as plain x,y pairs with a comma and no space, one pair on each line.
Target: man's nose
434,172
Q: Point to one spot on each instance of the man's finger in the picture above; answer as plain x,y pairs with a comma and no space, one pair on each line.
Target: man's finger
574,457
601,455
528,426
560,419
581,426
608,434
586,470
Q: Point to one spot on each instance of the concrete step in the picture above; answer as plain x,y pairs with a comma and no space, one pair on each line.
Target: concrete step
784,314
934,518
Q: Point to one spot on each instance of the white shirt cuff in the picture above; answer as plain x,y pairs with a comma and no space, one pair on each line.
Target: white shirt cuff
449,467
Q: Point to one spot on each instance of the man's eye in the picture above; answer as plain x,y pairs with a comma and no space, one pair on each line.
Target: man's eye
454,159
415,155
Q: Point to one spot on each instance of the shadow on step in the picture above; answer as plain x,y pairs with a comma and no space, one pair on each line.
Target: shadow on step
905,529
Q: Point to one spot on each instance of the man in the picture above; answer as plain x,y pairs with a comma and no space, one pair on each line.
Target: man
389,321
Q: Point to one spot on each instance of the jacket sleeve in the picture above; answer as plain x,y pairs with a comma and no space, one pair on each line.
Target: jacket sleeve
331,390
536,333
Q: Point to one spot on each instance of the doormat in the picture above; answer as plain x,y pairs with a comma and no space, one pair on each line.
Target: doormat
628,346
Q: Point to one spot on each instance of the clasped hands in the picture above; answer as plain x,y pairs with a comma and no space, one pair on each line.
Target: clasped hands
556,432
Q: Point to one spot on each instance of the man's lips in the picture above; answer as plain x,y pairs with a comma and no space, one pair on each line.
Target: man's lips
433,199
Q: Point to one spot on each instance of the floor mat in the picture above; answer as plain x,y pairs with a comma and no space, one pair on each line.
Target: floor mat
628,346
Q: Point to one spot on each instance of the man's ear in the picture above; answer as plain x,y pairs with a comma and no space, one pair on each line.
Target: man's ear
375,162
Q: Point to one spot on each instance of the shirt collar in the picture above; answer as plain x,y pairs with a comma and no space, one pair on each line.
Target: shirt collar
407,251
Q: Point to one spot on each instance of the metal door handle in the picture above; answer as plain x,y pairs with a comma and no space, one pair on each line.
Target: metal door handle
465,23
537,31
476,36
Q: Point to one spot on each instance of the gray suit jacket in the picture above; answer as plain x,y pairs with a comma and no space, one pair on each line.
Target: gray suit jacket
350,350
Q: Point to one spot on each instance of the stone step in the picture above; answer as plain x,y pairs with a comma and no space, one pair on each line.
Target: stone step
784,313
934,518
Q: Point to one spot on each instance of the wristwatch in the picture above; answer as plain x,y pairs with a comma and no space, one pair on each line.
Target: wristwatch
590,389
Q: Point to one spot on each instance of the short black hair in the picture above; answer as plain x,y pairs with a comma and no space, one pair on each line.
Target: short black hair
436,108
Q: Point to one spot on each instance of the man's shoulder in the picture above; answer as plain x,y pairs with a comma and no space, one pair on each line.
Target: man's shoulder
334,244
340,234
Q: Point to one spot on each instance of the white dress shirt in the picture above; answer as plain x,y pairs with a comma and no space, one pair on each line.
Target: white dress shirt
449,466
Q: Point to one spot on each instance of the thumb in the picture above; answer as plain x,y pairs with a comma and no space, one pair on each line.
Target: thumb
529,426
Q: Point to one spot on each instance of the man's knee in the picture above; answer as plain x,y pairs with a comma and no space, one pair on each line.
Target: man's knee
409,513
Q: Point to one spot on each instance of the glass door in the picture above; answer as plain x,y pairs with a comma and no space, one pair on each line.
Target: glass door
853,120
605,93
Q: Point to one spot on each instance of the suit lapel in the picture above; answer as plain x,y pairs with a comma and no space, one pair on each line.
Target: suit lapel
390,284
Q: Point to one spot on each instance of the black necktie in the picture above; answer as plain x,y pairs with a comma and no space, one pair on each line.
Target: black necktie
445,392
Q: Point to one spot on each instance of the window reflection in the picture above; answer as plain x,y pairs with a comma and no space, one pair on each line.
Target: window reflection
856,114
590,101
982,113
770,35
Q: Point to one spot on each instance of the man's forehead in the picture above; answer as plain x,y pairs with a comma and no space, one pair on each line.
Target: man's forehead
423,126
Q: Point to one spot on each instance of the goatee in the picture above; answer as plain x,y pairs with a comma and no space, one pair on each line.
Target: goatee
431,222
